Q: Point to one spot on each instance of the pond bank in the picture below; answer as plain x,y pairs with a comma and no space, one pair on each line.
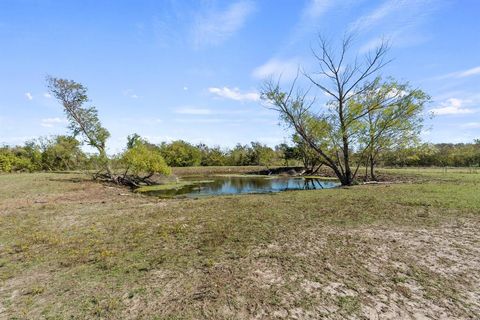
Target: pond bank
216,185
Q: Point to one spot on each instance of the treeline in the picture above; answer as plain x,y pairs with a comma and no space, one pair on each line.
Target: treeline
183,154
439,155
59,153
63,153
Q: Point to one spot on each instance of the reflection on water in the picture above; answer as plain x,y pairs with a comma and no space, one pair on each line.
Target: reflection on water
247,184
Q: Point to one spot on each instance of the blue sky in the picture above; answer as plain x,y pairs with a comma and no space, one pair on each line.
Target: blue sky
192,69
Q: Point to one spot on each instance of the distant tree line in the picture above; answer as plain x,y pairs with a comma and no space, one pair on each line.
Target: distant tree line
440,155
63,153
59,153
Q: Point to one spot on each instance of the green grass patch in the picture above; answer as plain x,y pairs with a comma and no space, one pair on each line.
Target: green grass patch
171,186
73,248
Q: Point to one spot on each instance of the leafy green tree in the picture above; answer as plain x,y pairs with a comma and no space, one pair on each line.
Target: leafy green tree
6,162
476,153
241,155
287,153
334,133
310,160
262,154
144,162
32,151
82,120
11,160
62,153
212,156
133,140
427,154
180,153
394,115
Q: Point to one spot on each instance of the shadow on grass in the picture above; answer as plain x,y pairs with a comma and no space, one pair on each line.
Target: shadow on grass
73,179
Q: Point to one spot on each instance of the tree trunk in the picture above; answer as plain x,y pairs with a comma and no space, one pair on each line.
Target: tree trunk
348,179
366,170
372,169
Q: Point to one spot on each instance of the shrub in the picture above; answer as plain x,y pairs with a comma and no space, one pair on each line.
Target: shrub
140,159
10,163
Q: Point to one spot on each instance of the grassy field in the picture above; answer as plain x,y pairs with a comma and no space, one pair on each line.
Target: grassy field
74,249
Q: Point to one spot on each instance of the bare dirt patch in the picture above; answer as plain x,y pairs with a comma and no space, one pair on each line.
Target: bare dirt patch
78,249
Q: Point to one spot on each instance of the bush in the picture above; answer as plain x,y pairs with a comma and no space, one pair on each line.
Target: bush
140,159
181,154
6,162
11,163
62,153
212,156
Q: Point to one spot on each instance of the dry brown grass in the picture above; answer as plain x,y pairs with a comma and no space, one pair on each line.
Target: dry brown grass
71,248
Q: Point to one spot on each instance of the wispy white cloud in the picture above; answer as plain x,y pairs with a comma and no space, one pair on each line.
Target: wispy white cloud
378,14
471,125
29,96
316,8
453,106
372,44
308,24
51,122
461,74
396,13
469,72
130,93
214,27
234,94
47,95
170,25
286,69
398,20
310,19
193,111
400,38
203,120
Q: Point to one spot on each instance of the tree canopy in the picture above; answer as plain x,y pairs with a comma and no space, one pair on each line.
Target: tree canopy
339,132
140,160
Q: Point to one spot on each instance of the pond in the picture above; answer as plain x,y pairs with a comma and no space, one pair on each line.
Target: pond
229,185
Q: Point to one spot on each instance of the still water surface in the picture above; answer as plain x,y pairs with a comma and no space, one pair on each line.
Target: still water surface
246,184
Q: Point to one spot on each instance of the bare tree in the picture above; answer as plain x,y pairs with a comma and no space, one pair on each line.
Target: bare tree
332,134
